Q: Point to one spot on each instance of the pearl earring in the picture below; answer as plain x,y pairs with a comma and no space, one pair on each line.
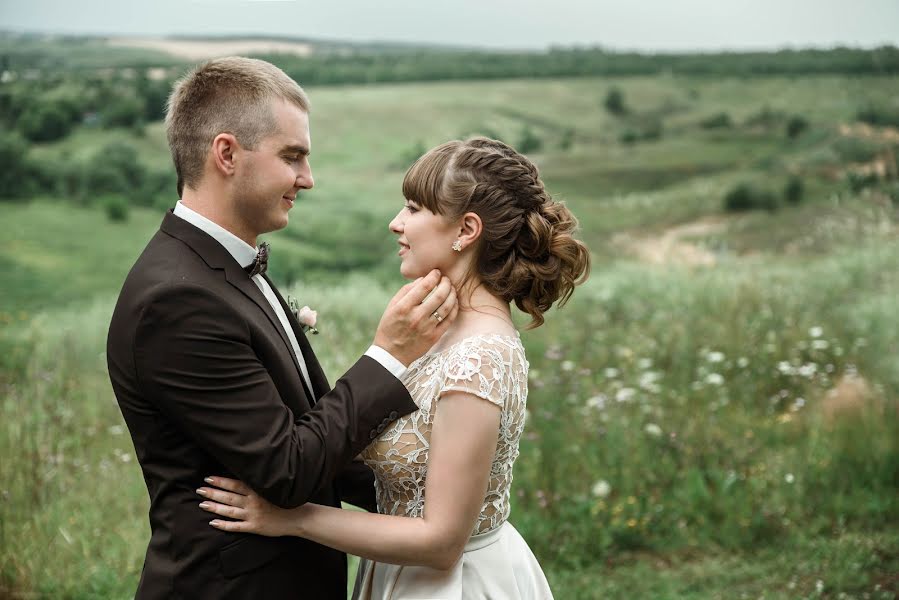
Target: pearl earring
457,246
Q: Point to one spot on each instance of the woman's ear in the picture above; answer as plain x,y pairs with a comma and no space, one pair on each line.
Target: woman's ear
224,149
470,229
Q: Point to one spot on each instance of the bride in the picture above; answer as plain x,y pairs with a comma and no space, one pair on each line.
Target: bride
477,210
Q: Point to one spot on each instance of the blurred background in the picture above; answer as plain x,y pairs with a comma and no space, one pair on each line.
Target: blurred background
713,415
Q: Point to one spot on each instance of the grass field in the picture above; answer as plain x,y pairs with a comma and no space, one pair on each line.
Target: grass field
718,423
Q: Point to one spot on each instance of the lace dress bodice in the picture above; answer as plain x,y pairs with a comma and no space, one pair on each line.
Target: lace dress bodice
492,367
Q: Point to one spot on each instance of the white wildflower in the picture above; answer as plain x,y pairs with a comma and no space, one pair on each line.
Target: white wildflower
785,367
715,357
611,373
653,429
789,478
644,363
819,586
816,332
798,404
742,362
567,365
116,430
597,402
808,370
714,379
820,344
625,394
601,489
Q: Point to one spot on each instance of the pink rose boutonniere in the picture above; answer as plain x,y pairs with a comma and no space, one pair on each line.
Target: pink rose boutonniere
305,315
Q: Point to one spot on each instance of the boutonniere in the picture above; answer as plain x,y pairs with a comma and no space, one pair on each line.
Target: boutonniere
304,315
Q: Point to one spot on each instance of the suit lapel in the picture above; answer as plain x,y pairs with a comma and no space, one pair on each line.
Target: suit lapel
316,374
215,255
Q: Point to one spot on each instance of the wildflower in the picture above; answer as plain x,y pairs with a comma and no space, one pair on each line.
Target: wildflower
611,373
644,363
597,402
653,429
715,357
816,331
625,394
785,367
820,344
742,362
808,370
553,353
601,489
567,365
632,522
789,478
714,379
819,586
116,430
648,381
798,403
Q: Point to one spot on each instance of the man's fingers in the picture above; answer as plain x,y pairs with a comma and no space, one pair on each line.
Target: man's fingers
401,293
420,290
436,299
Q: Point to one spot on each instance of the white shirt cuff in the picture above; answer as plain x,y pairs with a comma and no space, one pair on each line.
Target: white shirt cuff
387,360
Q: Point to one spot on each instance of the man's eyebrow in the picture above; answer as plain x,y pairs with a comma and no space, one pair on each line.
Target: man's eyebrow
296,149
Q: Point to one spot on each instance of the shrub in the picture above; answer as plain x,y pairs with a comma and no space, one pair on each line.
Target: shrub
746,196
793,190
115,207
766,117
45,122
855,149
647,130
796,126
16,174
567,140
858,181
720,121
528,141
878,115
614,102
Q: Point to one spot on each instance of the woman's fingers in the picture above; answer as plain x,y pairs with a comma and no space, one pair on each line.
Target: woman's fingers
232,512
223,497
232,485
237,526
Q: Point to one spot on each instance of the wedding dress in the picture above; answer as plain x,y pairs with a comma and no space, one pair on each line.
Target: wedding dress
496,563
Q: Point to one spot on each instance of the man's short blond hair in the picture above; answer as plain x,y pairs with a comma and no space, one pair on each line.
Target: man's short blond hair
225,95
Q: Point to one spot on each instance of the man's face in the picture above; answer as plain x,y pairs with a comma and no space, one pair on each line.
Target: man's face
269,177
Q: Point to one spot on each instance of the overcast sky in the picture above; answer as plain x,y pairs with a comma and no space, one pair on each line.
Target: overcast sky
622,24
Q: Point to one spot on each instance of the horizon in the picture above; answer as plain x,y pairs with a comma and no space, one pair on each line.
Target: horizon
693,26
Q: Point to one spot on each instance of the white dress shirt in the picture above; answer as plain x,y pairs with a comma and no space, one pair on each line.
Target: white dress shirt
245,254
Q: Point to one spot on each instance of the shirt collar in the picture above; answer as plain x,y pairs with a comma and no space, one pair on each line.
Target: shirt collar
242,252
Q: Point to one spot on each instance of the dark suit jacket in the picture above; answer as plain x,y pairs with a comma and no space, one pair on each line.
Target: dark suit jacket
207,383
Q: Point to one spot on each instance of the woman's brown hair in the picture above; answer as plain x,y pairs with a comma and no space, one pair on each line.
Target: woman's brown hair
527,253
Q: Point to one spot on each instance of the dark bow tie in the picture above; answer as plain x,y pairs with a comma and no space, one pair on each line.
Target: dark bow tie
260,264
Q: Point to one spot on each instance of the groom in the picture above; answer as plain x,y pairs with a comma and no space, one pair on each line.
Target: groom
213,373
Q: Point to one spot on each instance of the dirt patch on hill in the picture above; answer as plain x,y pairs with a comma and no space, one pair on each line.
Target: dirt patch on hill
672,245
203,49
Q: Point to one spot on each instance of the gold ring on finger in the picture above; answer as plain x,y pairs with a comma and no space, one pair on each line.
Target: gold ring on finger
437,316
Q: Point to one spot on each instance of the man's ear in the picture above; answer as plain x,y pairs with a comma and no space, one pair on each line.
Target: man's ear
224,150
470,229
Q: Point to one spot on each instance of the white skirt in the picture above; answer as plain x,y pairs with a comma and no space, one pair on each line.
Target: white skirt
497,565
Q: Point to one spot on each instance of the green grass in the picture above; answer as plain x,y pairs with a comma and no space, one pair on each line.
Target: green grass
702,397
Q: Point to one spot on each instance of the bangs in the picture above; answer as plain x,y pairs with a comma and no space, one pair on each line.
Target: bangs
424,179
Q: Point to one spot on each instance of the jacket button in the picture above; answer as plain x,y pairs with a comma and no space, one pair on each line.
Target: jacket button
372,434
381,427
394,415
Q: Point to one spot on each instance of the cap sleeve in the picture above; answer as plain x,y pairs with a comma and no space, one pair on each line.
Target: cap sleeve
480,368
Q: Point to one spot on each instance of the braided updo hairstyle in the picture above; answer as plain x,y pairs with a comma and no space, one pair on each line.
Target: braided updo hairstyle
526,253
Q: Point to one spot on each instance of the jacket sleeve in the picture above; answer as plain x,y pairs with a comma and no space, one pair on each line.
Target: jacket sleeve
194,360
356,484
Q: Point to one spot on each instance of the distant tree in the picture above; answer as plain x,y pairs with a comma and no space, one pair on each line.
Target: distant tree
114,169
794,190
796,126
528,141
721,120
745,197
115,207
567,140
614,102
16,174
123,111
45,122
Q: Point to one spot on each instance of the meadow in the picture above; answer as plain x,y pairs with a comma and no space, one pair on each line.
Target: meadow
715,414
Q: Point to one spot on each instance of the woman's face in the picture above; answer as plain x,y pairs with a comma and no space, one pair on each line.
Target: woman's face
425,240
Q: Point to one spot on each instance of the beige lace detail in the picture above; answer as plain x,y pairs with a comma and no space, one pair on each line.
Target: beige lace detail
492,367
